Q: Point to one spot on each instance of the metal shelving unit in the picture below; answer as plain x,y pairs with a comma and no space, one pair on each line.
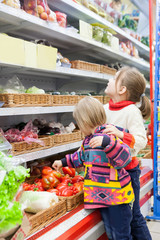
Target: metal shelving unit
76,12
60,72
18,23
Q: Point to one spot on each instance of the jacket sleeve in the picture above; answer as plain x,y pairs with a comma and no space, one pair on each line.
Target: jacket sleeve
127,137
118,153
74,160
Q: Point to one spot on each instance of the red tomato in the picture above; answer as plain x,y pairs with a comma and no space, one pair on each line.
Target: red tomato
54,190
70,171
67,192
77,178
78,186
58,175
49,181
46,170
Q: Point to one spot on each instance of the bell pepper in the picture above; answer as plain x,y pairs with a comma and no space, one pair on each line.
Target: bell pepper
77,178
70,171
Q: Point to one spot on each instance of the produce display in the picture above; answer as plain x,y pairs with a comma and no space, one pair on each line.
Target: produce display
66,184
129,48
11,178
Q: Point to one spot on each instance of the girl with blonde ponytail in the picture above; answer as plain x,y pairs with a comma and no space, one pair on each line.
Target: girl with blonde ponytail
127,108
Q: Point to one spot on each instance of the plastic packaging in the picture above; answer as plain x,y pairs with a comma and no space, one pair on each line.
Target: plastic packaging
14,85
61,19
39,8
106,37
97,33
12,3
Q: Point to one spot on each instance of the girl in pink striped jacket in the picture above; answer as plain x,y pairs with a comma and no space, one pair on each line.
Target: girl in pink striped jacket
107,185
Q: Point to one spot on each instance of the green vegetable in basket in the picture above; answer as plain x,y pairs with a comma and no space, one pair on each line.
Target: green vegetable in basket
35,90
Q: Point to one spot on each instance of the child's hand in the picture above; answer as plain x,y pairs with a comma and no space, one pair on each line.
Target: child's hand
96,141
57,165
110,129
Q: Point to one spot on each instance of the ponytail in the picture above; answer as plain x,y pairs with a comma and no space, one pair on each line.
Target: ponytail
145,107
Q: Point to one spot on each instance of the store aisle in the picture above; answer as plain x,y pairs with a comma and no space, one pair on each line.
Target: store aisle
154,228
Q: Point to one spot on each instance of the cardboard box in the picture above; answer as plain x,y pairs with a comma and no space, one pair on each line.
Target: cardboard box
11,50
30,54
46,57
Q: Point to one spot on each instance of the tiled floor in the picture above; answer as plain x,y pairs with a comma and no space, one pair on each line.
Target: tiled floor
154,228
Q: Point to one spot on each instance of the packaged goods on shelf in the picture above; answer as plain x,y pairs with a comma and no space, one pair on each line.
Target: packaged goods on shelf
15,49
12,3
39,8
61,19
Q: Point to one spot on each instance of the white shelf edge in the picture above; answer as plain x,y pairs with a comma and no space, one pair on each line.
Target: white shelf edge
34,110
47,152
60,71
92,15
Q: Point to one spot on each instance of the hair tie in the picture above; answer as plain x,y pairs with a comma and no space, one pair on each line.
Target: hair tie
139,104
142,95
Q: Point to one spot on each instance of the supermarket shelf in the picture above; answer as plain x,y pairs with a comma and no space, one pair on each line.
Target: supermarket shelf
18,23
60,72
34,110
47,152
77,12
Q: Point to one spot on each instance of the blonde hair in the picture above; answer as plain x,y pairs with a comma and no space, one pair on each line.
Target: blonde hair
89,112
135,83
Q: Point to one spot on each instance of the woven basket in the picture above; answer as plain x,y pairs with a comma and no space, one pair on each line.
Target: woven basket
64,99
73,201
108,70
100,98
25,100
106,99
45,217
82,65
67,137
24,147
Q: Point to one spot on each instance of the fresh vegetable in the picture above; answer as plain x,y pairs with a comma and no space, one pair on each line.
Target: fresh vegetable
46,170
70,171
10,212
10,216
78,186
38,201
66,189
35,90
54,190
49,181
77,178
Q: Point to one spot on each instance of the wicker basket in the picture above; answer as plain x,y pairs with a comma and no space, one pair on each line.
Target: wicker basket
25,100
100,98
64,99
108,70
67,137
45,217
24,147
73,201
106,99
145,153
85,66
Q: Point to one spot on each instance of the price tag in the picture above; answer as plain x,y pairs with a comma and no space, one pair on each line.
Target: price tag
85,29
